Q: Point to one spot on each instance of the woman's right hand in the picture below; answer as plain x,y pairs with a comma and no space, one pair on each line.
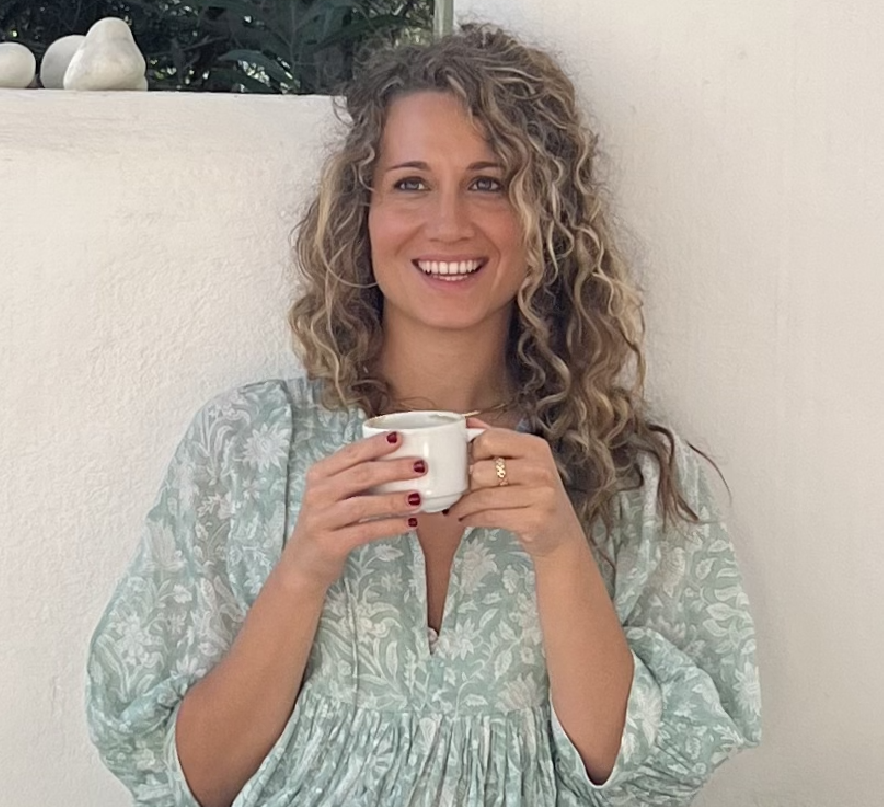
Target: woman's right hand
338,513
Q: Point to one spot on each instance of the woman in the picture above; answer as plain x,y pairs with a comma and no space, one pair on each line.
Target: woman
577,635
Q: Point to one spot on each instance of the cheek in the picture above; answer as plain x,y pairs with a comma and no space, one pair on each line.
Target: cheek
509,236
387,230
376,231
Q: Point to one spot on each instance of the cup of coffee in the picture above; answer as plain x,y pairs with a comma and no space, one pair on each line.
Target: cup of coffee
439,438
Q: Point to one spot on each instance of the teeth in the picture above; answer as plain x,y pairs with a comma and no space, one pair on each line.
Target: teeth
449,267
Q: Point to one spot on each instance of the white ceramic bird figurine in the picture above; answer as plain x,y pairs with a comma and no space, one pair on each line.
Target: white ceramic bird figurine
56,60
108,59
18,66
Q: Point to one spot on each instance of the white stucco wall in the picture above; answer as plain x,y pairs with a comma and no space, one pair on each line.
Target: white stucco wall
746,151
143,267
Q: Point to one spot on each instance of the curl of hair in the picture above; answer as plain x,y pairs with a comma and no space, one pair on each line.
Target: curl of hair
576,351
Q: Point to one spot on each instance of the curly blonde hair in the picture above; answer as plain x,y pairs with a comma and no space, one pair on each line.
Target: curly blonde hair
576,341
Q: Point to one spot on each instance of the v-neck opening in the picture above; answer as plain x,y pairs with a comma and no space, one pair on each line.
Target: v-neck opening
432,642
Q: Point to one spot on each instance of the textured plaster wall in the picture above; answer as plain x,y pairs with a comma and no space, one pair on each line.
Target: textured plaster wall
143,267
745,154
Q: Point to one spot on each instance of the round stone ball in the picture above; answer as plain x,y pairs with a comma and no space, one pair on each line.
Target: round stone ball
18,66
58,57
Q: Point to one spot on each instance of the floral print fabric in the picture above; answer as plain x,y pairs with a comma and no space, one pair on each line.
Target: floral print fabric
388,714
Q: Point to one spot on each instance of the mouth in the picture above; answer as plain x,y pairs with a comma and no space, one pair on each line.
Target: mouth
450,271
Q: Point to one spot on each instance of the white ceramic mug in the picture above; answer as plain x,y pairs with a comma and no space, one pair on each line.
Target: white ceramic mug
440,439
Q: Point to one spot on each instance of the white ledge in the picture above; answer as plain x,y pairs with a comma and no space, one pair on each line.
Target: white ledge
32,119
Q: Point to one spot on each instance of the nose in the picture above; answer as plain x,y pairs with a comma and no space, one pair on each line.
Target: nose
450,219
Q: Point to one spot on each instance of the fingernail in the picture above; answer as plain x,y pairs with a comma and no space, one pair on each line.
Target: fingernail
412,522
446,511
420,467
414,499
392,437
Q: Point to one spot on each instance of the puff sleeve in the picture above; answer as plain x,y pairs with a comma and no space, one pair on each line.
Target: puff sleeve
695,697
179,605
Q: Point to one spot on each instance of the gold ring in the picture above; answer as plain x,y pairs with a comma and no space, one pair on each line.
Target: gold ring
500,467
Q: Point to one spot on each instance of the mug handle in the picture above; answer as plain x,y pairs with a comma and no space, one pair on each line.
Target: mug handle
472,434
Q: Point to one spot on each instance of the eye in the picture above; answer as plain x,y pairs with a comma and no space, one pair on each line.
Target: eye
487,184
409,184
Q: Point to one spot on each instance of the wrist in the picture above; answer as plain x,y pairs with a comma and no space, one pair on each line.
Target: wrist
569,556
295,579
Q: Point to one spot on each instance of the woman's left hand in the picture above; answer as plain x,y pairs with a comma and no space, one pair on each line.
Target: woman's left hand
529,500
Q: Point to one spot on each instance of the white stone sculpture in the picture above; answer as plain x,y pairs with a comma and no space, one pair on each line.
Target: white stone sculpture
108,59
18,66
56,60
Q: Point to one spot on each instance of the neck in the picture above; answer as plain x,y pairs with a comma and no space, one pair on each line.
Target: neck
458,371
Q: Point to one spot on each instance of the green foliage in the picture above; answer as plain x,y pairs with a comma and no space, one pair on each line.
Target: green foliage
264,46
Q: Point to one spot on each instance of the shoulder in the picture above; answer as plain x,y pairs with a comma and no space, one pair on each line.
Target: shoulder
652,554
242,410
268,402
259,400
263,416
234,427
688,468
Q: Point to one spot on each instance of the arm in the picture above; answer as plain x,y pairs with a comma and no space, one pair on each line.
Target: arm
229,721
589,689
176,612
694,697
186,695
688,690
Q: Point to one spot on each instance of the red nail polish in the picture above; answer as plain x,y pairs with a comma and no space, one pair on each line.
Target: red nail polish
392,437
414,499
412,522
420,467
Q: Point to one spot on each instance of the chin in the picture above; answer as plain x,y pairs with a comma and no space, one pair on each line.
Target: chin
446,315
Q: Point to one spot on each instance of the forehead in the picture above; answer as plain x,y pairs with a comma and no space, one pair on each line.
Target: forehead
423,124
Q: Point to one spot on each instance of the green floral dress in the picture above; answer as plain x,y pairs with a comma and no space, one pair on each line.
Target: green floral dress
389,715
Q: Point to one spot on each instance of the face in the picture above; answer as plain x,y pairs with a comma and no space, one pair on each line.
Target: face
446,244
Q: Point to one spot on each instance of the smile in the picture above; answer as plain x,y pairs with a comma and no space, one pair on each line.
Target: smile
450,270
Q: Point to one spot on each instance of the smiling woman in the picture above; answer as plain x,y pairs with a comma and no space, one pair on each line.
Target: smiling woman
312,631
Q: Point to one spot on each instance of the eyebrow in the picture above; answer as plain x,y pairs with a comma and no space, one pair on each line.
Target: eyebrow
476,166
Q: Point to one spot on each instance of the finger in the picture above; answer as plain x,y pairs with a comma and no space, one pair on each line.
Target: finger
362,508
364,450
506,443
367,475
503,498
367,531
525,472
493,520
484,474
